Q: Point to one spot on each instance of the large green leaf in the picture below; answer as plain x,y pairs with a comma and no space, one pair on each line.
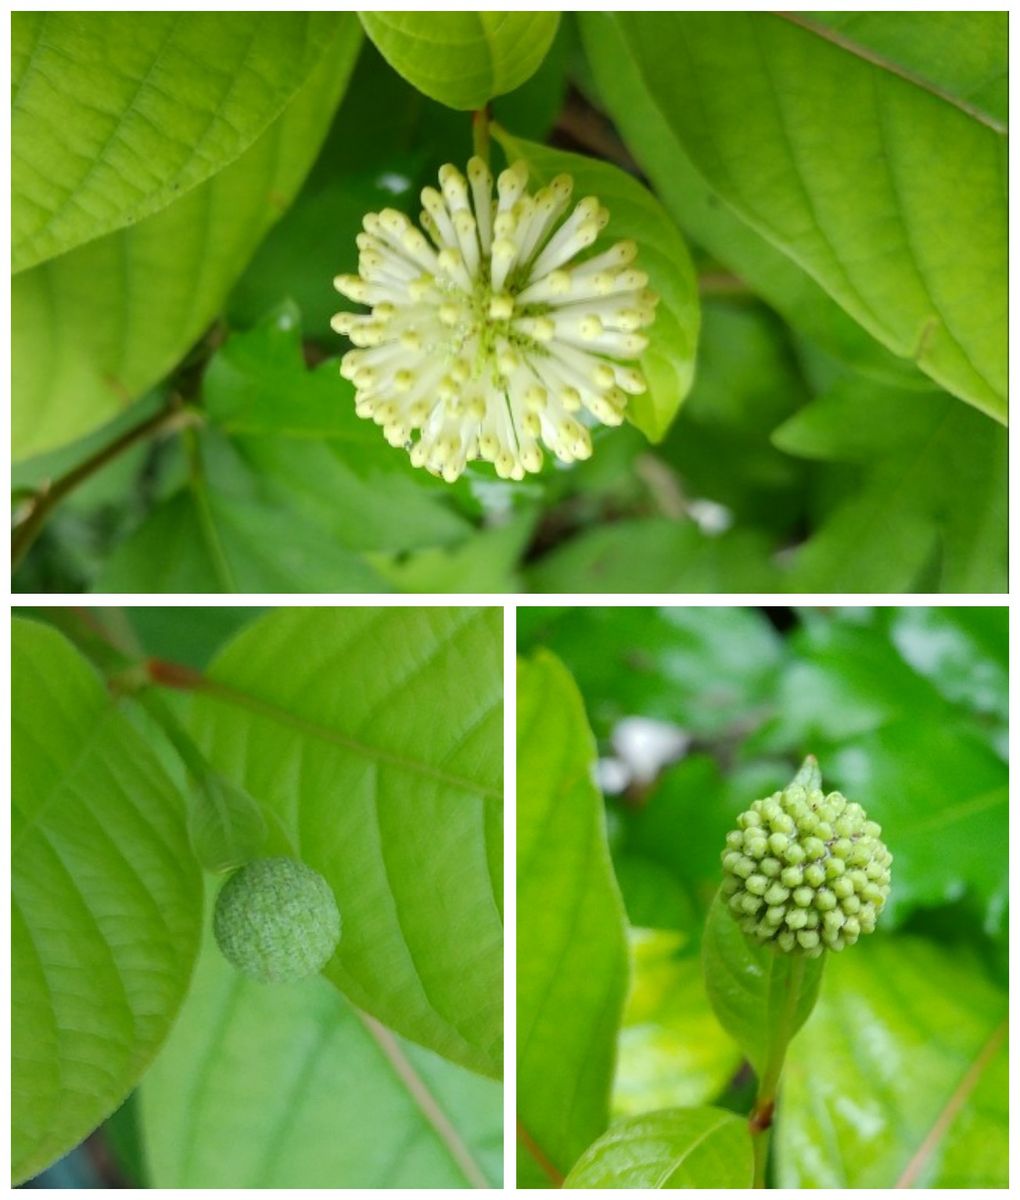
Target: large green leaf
115,115
704,215
634,213
900,1078
677,1148
463,59
94,328
761,997
571,949
672,1050
778,113
291,1087
106,902
374,737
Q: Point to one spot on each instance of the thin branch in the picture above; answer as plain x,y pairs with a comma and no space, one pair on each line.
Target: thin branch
555,1176
428,1104
955,1102
36,511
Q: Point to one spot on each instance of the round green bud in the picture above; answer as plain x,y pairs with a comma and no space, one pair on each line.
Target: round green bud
276,920
805,871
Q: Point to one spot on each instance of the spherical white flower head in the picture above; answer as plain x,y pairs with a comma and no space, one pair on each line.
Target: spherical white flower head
492,335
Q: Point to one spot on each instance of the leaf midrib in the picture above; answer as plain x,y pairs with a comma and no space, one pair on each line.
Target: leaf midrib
866,54
227,694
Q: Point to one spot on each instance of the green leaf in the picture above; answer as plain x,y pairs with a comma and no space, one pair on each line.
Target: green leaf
634,213
571,949
703,214
96,327
374,737
900,1078
206,540
290,1086
463,59
106,901
761,997
709,670
116,115
678,1148
929,509
672,1051
656,554
787,112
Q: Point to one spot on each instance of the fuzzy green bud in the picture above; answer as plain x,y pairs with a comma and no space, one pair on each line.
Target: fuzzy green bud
276,920
832,875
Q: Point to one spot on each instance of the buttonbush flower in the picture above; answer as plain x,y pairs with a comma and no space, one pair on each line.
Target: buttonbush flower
496,333
806,872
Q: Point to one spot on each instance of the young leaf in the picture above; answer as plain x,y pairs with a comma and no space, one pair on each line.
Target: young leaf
290,1086
634,213
374,737
225,825
106,903
676,1148
900,1079
463,59
929,201
96,327
116,116
761,997
571,950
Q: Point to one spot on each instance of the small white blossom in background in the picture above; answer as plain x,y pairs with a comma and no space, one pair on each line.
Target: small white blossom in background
491,336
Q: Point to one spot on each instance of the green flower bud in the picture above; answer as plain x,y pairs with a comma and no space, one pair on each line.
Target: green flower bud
276,920
805,871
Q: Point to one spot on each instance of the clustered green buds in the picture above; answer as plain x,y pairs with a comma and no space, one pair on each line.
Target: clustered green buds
276,920
805,871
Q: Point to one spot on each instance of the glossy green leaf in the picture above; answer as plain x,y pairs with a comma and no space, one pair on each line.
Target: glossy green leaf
761,997
930,506
678,1148
116,115
571,948
291,1087
915,251
374,736
657,554
634,213
705,216
106,900
463,59
96,327
900,1078
672,1051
